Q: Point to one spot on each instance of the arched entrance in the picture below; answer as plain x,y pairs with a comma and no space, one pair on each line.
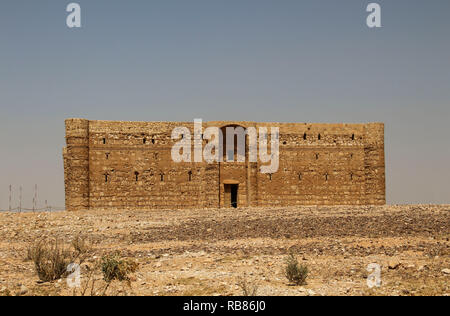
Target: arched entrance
233,169
239,138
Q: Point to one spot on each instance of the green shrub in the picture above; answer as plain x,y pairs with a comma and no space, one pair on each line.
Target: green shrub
294,272
116,268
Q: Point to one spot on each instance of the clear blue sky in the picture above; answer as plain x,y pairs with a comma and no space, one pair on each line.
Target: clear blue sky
256,60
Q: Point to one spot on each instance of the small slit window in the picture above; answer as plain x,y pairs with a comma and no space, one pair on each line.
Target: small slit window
317,156
190,176
319,137
326,176
353,136
270,176
153,141
161,177
104,141
107,156
144,141
351,176
136,176
299,176
106,177
304,136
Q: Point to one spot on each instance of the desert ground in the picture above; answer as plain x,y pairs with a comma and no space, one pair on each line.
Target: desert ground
212,252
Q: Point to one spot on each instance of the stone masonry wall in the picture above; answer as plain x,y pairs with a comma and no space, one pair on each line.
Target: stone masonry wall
128,165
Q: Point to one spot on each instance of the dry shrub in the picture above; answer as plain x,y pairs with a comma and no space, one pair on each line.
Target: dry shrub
80,245
116,268
248,289
51,258
5,292
91,284
295,272
89,288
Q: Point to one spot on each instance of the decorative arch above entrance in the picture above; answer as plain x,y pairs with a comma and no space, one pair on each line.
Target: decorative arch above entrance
235,176
228,155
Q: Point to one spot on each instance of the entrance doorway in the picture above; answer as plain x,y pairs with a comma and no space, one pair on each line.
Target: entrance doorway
231,194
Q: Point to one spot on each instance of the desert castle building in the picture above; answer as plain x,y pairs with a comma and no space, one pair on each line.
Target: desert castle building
128,165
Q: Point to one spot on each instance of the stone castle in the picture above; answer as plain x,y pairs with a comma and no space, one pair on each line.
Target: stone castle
128,165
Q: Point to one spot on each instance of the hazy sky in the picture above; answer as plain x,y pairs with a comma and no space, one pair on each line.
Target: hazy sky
255,60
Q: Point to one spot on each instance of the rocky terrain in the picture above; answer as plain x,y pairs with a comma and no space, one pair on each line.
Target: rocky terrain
210,252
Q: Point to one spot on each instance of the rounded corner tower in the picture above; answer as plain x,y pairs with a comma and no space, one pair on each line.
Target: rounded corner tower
76,164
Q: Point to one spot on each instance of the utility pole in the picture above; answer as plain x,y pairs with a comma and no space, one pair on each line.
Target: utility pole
10,194
20,199
35,198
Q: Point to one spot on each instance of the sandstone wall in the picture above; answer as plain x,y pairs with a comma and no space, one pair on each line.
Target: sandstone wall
128,165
